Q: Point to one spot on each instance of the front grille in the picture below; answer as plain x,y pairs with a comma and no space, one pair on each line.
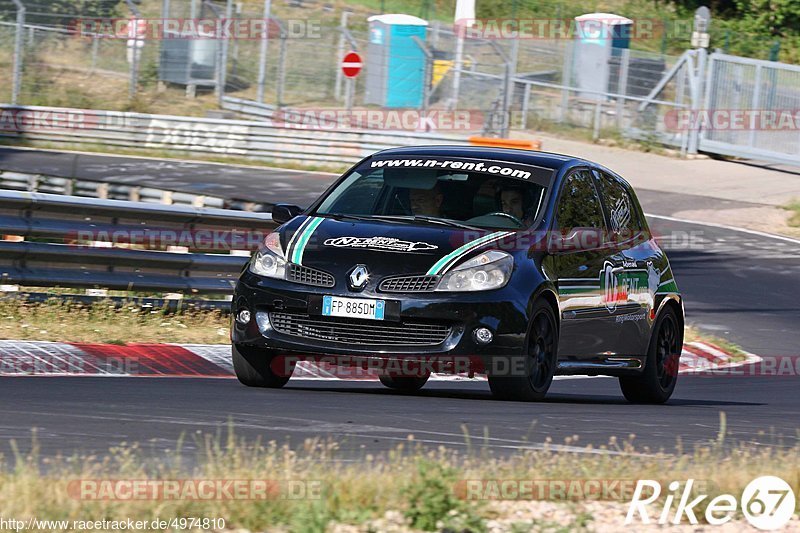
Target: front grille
409,284
359,332
309,276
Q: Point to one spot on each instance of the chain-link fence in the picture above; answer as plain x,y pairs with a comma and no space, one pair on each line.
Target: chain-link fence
189,57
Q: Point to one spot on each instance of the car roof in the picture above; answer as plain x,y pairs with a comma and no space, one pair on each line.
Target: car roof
529,157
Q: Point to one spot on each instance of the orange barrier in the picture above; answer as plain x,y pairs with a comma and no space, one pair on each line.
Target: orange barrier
506,143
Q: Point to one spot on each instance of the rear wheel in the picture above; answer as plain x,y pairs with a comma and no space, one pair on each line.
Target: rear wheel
540,361
657,381
405,383
258,367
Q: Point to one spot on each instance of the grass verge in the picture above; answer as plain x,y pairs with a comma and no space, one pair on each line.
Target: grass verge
692,334
57,320
794,207
409,488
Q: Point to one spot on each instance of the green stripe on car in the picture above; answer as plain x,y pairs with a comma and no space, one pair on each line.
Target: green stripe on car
463,250
302,241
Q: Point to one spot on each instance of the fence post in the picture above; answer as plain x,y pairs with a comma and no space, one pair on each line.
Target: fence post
134,62
754,106
262,57
622,86
426,76
95,45
337,90
508,91
133,48
457,66
566,82
17,76
526,104
598,116
223,71
281,69
702,87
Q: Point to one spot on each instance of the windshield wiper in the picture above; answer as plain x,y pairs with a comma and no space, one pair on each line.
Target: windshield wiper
432,220
402,218
344,216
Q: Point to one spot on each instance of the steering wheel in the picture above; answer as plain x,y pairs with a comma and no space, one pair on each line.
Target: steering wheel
506,215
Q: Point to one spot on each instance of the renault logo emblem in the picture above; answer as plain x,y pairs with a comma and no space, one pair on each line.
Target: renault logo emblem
359,277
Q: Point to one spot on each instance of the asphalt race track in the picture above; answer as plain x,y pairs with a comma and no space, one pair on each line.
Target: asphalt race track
92,414
736,285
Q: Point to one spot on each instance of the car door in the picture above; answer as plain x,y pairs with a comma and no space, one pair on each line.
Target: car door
580,259
632,268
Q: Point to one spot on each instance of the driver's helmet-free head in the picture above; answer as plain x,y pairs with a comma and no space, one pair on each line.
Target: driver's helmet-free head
515,201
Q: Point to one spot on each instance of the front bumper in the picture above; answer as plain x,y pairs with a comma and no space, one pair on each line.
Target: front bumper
502,311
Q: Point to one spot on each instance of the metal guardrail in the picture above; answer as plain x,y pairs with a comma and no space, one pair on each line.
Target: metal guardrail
66,241
242,138
23,181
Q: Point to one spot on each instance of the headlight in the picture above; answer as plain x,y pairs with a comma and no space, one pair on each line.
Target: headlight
269,260
490,270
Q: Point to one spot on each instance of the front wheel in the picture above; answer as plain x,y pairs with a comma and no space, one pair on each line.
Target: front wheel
540,361
657,381
258,367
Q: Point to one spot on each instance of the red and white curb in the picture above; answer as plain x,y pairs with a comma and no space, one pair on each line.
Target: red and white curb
37,358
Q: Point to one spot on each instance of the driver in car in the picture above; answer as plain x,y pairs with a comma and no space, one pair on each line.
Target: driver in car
426,202
512,202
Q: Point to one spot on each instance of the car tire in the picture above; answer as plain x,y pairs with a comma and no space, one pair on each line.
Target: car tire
254,367
660,374
540,362
404,383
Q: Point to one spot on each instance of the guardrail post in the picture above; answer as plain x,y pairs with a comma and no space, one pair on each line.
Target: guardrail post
17,75
262,54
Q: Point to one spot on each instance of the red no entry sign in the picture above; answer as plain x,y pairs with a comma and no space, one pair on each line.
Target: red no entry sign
351,64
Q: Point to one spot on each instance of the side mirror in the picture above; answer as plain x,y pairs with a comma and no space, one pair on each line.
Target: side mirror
282,213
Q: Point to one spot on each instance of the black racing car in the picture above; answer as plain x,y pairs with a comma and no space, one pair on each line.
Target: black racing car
520,265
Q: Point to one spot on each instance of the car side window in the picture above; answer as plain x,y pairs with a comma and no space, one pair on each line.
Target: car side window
579,205
360,197
622,213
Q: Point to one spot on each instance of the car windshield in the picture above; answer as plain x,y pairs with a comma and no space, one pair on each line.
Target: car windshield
471,193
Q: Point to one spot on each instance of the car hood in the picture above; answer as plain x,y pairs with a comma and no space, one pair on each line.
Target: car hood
387,248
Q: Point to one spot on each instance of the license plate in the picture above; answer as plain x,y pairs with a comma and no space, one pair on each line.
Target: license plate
353,307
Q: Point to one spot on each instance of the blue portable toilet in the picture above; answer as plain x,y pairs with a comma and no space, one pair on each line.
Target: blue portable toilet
395,61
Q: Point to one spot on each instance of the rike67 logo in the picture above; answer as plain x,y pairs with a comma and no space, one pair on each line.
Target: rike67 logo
767,502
